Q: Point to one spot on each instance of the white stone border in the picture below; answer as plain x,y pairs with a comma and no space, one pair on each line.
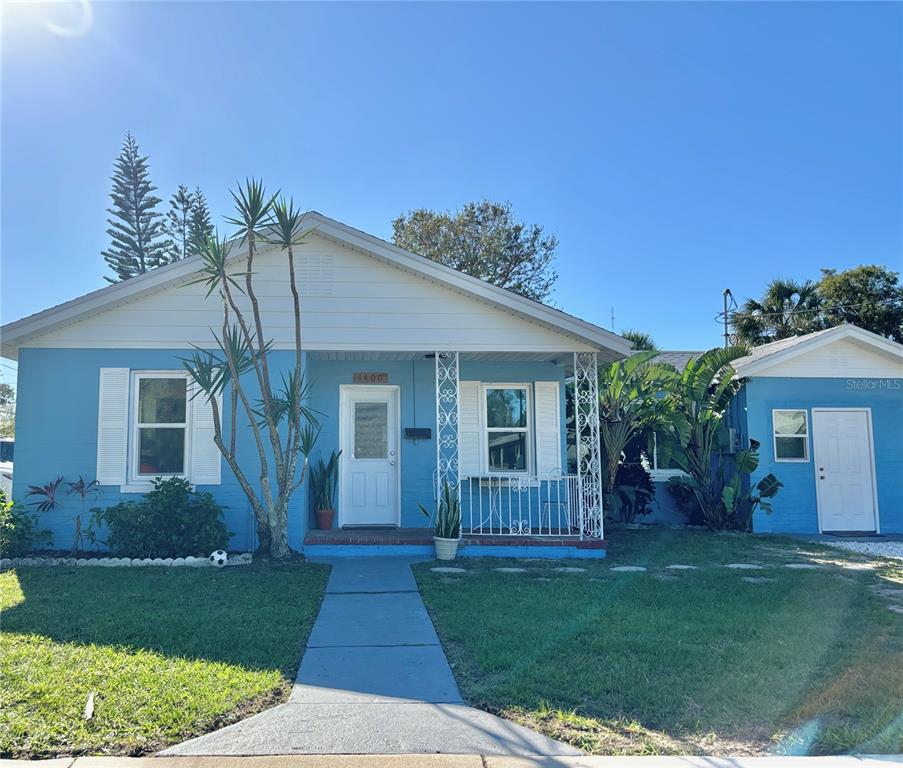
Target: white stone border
122,562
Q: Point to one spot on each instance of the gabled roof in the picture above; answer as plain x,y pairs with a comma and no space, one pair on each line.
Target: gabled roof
612,346
769,355
677,358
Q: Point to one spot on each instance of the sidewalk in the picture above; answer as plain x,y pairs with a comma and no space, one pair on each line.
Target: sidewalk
458,761
374,680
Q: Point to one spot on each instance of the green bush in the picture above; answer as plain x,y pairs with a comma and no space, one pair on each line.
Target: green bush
19,532
170,521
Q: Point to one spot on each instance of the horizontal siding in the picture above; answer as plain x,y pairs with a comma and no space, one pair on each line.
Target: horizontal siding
349,301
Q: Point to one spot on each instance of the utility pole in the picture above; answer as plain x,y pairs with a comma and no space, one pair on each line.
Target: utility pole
612,317
727,336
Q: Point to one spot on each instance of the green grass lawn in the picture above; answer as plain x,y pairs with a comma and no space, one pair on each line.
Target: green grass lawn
695,661
168,652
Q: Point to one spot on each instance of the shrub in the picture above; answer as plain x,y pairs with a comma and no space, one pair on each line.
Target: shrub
170,521
632,495
19,533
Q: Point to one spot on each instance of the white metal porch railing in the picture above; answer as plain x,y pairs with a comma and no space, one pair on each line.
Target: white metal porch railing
520,505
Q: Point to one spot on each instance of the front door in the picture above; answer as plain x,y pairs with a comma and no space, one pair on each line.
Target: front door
843,465
369,443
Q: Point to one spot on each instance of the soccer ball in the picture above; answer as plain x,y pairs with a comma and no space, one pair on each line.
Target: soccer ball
219,558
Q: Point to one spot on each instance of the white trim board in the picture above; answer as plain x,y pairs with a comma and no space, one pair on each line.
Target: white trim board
574,332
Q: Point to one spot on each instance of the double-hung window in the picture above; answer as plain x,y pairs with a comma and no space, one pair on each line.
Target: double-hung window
791,435
507,428
160,425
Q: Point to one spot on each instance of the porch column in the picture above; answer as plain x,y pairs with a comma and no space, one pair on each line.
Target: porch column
589,447
446,422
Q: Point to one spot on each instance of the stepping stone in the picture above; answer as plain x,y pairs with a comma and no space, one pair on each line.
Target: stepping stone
802,566
511,570
744,566
756,579
448,569
570,570
682,567
895,608
542,578
628,568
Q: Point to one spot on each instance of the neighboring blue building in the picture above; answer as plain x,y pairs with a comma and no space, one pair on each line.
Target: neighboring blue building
827,409
397,348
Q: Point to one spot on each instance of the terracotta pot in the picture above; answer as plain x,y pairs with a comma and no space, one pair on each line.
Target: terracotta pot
446,549
325,518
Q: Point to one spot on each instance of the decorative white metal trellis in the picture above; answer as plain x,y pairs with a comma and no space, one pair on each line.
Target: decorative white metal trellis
446,421
589,451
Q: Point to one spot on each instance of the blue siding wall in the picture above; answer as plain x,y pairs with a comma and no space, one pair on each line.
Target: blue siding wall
795,509
416,380
57,427
57,435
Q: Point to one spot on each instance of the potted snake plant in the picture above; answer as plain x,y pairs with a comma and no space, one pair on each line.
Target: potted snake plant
324,480
447,529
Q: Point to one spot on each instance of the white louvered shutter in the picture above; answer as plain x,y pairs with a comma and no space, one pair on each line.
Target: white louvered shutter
469,433
548,428
206,460
113,426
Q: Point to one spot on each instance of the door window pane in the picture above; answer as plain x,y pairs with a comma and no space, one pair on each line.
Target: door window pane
371,430
161,450
506,408
507,451
161,401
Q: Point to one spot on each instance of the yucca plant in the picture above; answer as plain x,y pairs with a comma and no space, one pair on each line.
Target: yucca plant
284,430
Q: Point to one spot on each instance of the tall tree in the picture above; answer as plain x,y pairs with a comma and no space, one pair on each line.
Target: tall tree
200,225
869,296
641,341
485,241
787,308
178,223
136,228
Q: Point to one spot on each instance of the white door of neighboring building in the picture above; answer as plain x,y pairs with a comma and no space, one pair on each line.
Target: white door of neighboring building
369,464
844,469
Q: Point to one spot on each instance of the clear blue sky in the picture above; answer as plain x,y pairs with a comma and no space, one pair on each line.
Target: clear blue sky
675,149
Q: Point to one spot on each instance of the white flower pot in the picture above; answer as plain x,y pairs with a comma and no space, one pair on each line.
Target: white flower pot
446,549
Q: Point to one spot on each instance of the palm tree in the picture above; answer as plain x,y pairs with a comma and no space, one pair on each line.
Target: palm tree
787,308
641,340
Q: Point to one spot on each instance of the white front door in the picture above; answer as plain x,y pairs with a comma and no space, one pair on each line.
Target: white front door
844,478
369,468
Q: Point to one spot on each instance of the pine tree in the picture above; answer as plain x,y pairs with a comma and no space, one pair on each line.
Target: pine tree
200,226
178,223
136,229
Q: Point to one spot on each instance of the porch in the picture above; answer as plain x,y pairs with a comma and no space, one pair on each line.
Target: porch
513,435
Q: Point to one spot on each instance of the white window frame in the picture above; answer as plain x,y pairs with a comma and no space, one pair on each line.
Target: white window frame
775,435
136,480
485,429
664,473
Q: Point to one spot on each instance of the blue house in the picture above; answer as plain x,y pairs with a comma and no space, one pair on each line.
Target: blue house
423,375
827,409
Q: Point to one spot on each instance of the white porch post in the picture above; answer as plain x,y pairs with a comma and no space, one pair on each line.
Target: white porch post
446,422
589,447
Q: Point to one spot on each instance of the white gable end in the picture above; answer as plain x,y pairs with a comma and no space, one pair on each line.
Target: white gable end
350,301
839,359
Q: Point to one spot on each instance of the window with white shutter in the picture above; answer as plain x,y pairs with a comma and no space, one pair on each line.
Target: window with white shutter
470,457
206,460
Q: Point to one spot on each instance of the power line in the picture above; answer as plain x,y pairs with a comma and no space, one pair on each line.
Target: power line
789,312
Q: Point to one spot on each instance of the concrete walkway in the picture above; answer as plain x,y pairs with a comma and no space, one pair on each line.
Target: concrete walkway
373,680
